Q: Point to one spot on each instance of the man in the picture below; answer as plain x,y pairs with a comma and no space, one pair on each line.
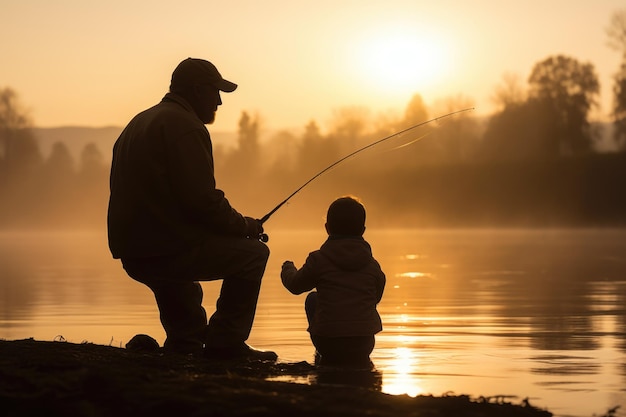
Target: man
171,227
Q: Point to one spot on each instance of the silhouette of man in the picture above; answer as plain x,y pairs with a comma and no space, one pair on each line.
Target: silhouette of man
171,227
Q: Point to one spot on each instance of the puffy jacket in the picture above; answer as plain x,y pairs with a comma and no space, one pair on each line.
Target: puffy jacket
163,195
349,283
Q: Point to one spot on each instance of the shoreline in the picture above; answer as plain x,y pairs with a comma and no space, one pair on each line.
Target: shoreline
67,379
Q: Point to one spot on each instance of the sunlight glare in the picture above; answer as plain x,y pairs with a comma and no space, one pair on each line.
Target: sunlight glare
402,58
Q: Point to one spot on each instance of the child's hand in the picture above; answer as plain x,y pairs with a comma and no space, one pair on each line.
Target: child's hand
288,266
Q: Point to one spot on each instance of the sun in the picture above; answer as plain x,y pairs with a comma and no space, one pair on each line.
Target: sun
401,58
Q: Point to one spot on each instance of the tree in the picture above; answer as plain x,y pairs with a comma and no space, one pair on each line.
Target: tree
248,138
569,90
349,126
315,150
518,132
616,31
415,112
92,163
456,136
245,159
280,154
617,41
19,151
59,174
92,188
619,109
20,162
57,186
60,163
243,163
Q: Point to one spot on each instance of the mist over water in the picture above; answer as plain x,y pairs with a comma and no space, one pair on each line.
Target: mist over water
528,313
457,171
419,185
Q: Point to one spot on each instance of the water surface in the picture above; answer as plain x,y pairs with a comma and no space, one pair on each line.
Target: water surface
537,314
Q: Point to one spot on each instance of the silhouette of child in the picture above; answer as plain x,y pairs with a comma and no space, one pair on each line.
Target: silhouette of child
349,283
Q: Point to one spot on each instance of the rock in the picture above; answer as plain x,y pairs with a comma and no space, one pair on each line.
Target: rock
143,343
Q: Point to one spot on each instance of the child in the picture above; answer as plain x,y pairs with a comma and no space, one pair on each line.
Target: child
342,312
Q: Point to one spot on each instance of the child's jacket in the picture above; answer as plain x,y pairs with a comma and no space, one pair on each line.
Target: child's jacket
349,283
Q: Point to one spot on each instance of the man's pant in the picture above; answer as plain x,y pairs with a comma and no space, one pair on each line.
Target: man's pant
239,262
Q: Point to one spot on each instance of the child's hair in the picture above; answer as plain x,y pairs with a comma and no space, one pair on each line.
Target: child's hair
346,216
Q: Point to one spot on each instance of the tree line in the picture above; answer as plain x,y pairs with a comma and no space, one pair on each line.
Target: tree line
54,191
531,162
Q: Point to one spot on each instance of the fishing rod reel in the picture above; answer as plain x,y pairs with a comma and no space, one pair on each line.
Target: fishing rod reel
263,237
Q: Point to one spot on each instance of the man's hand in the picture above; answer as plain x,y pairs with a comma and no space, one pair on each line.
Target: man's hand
254,228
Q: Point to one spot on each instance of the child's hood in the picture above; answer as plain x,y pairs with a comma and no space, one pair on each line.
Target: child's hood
348,253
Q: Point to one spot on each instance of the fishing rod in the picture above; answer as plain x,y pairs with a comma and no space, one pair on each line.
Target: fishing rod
264,238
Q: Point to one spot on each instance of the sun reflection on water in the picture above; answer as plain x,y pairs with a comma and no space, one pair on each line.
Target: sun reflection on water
403,364
415,274
415,256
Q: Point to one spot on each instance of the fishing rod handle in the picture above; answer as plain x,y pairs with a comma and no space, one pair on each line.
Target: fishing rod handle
263,237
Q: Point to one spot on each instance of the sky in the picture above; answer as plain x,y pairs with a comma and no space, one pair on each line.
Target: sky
83,63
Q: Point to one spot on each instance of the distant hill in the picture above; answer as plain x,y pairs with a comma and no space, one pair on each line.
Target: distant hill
76,137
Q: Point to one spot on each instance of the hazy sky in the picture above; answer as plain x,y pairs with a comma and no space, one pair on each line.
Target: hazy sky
77,62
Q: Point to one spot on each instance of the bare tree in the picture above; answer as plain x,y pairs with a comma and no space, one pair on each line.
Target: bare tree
509,92
616,31
19,151
20,162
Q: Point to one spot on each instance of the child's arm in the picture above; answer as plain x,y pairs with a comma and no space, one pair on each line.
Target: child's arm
297,280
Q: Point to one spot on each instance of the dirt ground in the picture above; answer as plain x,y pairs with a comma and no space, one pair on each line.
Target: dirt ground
39,378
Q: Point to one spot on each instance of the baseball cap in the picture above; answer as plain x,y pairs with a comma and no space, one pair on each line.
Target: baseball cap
197,71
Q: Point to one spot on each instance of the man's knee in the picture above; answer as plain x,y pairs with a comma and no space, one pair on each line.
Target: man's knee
261,254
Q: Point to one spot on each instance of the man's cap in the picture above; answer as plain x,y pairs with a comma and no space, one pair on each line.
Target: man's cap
199,71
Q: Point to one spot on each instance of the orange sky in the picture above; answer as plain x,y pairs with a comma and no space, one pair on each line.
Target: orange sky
74,62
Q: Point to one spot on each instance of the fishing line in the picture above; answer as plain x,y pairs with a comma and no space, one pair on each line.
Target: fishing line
395,148
264,237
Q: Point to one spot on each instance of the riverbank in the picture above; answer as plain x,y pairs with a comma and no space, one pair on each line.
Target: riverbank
67,379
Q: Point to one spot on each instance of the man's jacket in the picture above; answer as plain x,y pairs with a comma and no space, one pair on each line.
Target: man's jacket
163,195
